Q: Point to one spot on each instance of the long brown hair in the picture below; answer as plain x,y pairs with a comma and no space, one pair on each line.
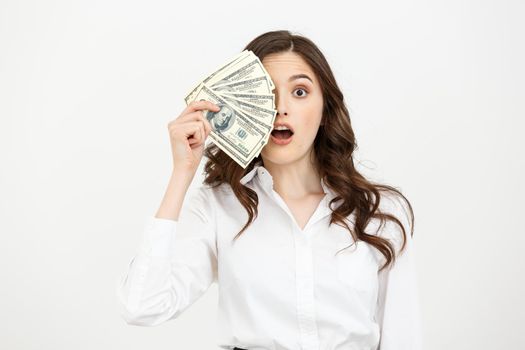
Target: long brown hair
334,146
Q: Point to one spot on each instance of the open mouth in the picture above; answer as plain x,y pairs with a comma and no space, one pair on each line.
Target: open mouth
282,134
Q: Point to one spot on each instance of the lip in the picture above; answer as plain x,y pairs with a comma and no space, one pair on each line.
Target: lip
283,124
281,141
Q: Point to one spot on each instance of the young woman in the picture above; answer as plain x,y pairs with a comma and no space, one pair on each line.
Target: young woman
307,253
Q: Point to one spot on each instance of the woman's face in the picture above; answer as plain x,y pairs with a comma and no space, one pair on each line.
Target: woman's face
299,103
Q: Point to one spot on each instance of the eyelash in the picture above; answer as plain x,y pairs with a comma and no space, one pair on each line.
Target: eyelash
306,92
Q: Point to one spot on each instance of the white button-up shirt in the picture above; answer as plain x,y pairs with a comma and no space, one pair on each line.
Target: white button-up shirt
280,287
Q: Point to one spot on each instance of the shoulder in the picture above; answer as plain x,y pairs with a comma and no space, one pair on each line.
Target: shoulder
393,203
208,196
200,204
396,205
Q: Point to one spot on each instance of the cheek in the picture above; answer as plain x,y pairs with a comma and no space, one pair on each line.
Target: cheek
311,118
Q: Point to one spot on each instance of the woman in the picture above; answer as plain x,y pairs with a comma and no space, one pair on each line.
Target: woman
307,253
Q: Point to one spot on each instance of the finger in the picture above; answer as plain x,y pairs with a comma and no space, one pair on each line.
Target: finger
184,131
206,127
180,122
200,105
195,116
205,123
192,129
198,138
196,132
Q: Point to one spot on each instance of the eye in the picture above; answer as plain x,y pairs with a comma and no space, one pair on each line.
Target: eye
300,92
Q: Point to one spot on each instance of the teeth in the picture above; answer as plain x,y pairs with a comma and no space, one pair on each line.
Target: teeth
281,127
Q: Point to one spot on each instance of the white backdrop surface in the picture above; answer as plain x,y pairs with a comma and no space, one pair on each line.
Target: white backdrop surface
435,91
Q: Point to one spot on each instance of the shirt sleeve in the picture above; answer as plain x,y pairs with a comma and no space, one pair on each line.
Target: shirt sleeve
176,262
398,305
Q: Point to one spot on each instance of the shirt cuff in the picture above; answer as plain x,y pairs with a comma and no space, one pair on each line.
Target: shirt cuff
158,236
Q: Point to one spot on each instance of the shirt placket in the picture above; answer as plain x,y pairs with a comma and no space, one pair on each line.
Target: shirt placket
305,291
306,315
304,277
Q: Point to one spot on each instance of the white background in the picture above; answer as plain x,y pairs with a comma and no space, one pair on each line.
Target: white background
435,91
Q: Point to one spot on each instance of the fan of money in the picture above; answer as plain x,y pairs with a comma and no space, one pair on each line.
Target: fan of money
242,88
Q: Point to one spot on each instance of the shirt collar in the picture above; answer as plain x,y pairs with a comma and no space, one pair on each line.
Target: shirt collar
248,176
267,181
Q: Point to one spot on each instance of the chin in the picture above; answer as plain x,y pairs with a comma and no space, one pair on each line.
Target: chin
288,154
280,157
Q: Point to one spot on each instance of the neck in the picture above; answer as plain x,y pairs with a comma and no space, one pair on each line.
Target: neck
295,180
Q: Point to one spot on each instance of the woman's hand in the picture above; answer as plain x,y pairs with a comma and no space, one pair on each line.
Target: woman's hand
188,133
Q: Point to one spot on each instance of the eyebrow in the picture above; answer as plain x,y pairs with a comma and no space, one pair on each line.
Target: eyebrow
299,76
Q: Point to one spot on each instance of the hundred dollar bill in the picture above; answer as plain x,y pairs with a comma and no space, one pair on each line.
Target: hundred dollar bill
261,116
261,100
259,85
231,131
261,146
244,90
248,67
191,95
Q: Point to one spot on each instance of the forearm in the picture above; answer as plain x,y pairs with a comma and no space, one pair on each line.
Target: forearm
174,196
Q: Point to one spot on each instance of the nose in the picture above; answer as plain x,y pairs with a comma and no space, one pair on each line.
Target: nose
281,106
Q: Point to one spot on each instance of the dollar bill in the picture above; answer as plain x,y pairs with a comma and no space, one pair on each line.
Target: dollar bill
261,100
258,85
248,67
191,96
235,134
261,116
243,90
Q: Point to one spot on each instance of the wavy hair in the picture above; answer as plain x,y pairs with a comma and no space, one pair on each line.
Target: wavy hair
334,146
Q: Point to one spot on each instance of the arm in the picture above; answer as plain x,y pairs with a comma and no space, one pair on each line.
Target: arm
174,196
177,260
175,264
398,308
